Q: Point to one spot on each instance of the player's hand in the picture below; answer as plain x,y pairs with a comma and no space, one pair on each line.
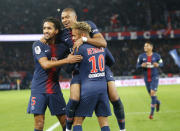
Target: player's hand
74,58
156,64
43,40
77,44
143,64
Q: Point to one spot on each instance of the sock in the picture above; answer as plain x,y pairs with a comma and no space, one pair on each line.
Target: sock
70,110
153,102
105,128
77,128
37,130
119,113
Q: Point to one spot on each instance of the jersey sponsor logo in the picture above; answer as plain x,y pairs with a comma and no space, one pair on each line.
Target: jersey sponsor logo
37,50
96,75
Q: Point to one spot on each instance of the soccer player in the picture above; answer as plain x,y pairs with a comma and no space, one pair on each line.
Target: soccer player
150,62
93,82
68,18
45,89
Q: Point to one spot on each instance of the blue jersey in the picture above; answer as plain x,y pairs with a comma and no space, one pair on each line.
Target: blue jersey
47,81
150,72
66,34
92,69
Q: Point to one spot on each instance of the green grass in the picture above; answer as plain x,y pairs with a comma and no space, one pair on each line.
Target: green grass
13,116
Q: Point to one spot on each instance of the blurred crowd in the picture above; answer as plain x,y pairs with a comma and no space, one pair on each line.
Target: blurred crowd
17,57
19,17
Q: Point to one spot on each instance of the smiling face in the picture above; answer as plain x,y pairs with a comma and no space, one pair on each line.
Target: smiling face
49,30
148,47
68,18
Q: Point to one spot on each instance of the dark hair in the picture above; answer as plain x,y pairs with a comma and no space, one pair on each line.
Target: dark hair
149,42
55,21
69,9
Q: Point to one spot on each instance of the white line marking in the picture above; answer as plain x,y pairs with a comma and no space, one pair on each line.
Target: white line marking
129,113
53,127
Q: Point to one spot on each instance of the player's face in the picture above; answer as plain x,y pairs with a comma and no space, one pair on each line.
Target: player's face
68,18
49,30
75,35
147,47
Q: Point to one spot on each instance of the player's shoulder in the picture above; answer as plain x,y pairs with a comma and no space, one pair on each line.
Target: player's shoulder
142,55
38,43
156,54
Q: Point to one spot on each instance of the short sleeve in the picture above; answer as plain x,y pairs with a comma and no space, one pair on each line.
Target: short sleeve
94,29
38,50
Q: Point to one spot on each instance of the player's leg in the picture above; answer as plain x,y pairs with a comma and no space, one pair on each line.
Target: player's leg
37,106
38,122
115,99
154,101
57,106
155,87
73,101
62,120
102,111
77,125
117,104
72,104
103,123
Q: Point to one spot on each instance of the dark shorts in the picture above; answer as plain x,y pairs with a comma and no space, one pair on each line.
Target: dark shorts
97,102
109,74
39,102
152,85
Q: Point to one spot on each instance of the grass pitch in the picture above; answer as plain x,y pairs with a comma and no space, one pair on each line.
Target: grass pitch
13,116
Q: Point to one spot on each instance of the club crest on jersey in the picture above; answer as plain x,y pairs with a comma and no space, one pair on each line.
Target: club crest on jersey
54,59
37,50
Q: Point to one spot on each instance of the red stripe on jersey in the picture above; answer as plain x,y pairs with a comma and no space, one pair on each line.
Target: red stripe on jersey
50,83
149,69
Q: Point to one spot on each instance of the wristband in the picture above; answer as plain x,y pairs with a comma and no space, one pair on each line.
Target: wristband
84,39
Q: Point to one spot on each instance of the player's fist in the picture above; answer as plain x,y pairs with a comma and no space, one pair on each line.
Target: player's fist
156,64
143,64
74,58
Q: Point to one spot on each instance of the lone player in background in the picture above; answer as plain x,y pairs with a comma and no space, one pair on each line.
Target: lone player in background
93,82
68,18
150,62
45,89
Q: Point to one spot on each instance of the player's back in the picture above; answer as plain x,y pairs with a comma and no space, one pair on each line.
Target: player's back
92,69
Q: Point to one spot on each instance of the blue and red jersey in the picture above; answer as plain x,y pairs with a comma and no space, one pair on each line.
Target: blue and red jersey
150,72
66,34
47,81
92,68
